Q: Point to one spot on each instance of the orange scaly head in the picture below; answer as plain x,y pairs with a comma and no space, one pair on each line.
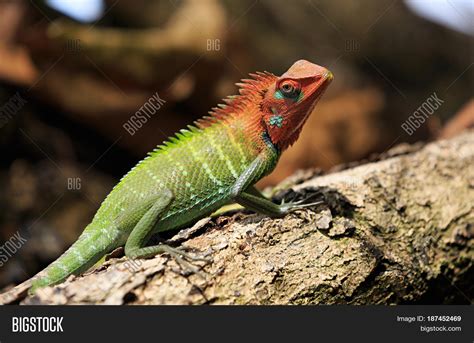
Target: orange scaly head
271,107
289,101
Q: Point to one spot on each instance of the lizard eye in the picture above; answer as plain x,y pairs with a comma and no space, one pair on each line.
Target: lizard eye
289,88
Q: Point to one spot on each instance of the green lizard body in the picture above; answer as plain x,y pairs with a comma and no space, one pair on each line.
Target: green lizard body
209,165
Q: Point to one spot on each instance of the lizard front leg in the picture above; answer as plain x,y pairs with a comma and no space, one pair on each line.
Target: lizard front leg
248,196
253,200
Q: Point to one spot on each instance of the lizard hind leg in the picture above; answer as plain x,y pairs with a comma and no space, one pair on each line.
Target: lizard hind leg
145,228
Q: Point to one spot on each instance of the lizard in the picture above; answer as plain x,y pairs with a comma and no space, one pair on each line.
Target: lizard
214,162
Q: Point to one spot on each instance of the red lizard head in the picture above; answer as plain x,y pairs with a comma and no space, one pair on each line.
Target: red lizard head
289,101
276,106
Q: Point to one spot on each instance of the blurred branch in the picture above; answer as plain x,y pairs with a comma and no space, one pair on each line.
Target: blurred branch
463,120
188,29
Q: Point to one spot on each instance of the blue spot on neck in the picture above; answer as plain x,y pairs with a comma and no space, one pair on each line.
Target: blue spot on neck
276,120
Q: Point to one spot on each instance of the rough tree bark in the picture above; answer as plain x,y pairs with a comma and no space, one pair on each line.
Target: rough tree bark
399,230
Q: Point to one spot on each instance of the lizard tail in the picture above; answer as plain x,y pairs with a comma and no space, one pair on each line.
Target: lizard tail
90,247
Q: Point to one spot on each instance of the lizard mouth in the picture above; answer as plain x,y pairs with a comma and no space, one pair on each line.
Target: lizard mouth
326,80
320,89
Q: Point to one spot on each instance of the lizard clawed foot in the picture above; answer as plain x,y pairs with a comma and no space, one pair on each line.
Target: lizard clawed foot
182,258
297,205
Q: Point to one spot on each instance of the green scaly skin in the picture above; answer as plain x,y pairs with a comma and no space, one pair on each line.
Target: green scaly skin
211,164
209,184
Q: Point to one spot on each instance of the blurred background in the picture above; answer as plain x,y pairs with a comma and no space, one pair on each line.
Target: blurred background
73,72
